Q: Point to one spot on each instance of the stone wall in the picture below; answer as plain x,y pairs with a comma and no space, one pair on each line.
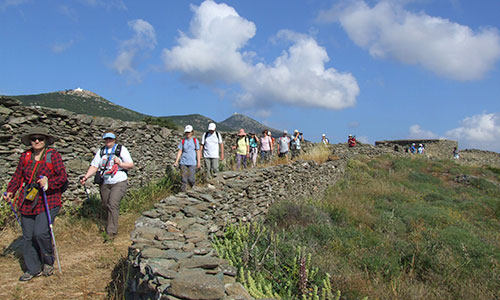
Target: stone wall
171,253
434,148
443,149
78,137
480,158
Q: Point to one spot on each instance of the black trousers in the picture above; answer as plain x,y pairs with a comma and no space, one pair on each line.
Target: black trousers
37,248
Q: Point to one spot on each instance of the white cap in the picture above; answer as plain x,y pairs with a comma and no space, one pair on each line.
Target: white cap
350,134
420,145
188,128
269,133
323,134
295,131
211,126
285,132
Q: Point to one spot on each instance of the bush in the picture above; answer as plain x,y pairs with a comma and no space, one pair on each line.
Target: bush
163,122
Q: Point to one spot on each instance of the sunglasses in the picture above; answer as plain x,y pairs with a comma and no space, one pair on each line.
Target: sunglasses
37,138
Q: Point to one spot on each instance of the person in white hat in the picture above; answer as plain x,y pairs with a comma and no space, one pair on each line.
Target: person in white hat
211,144
421,149
284,145
295,146
188,158
324,139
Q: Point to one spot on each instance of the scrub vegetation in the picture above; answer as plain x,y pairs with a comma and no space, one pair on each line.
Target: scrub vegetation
392,228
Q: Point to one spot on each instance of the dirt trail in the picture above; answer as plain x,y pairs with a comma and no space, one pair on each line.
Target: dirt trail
87,262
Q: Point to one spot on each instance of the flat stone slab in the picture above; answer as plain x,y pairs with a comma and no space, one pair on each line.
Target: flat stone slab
197,286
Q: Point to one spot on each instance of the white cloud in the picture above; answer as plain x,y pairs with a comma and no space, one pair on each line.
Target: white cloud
212,52
6,3
60,47
446,48
144,39
479,131
416,132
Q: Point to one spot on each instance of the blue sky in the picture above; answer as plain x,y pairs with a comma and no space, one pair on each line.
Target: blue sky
389,69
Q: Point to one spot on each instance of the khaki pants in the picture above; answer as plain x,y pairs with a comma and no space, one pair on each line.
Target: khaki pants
211,166
111,195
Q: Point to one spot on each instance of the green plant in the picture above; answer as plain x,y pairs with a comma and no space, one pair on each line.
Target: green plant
269,267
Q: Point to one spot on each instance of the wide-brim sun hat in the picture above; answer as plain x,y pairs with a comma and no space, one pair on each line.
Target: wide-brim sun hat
242,132
211,126
49,139
188,128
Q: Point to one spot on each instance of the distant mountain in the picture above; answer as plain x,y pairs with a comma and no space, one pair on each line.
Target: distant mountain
82,102
199,122
237,121
86,102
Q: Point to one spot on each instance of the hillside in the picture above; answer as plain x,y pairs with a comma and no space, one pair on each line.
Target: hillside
237,121
86,102
82,102
199,122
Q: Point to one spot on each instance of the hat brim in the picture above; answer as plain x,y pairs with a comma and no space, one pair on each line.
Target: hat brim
25,139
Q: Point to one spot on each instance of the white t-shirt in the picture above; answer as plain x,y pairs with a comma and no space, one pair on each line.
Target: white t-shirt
103,161
211,144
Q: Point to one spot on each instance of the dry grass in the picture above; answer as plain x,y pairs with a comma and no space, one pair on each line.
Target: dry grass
87,262
319,153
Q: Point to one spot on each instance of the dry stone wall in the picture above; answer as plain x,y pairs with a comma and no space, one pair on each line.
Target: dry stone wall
78,137
171,253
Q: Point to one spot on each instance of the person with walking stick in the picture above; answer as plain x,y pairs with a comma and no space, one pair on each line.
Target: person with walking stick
35,188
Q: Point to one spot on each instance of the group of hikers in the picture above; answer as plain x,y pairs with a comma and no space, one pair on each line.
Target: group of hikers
34,193
247,148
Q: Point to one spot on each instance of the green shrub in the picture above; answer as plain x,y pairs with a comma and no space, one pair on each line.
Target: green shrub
160,122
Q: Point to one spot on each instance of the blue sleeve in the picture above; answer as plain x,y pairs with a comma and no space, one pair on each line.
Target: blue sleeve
180,146
197,145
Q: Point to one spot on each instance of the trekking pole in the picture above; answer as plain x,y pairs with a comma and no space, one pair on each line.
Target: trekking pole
86,193
51,229
13,209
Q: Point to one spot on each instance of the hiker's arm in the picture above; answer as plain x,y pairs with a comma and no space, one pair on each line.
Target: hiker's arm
90,172
198,158
60,177
179,154
222,151
15,182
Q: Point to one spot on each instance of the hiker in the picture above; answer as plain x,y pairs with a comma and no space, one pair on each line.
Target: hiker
325,140
188,157
110,170
351,141
421,149
284,145
295,142
456,155
254,148
40,167
242,147
413,149
266,146
211,143
273,140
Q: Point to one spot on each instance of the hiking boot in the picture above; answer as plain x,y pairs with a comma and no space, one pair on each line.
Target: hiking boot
27,276
48,270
